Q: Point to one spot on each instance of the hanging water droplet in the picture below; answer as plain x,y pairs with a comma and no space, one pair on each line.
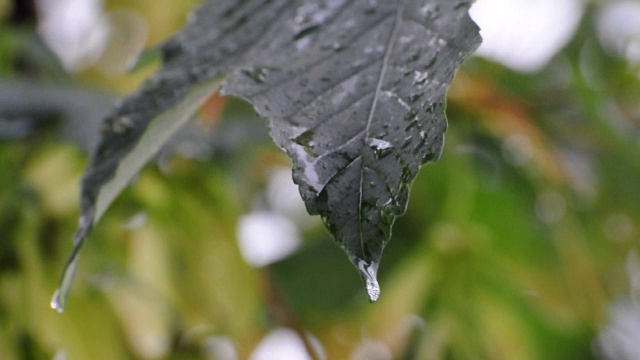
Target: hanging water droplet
57,303
381,148
257,74
369,276
59,299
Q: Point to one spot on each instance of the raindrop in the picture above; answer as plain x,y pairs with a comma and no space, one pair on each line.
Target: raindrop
257,74
407,142
306,140
415,96
59,300
429,156
308,19
420,77
429,11
381,148
57,303
369,275
432,109
431,62
415,56
410,115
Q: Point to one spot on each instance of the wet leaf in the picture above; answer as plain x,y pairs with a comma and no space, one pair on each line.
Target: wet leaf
353,91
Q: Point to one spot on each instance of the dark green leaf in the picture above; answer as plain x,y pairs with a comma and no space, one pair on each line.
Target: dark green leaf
354,92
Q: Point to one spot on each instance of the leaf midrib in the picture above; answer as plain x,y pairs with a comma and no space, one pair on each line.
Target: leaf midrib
385,62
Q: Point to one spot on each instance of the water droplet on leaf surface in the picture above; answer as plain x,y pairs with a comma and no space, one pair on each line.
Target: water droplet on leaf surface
256,74
420,78
306,140
381,148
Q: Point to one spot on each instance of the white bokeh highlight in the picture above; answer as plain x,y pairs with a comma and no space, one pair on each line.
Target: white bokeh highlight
75,30
281,344
265,237
220,348
82,34
618,28
284,198
525,34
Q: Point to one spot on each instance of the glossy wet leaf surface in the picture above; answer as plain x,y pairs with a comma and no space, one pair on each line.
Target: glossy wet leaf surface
355,95
354,92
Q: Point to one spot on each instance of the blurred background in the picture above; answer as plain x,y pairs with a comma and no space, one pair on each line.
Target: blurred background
521,242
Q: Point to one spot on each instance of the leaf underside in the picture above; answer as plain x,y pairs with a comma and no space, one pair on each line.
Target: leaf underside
354,92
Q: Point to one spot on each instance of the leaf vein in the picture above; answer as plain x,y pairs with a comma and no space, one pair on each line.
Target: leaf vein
385,63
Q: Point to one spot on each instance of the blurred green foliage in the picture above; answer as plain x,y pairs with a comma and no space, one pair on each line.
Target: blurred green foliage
513,246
